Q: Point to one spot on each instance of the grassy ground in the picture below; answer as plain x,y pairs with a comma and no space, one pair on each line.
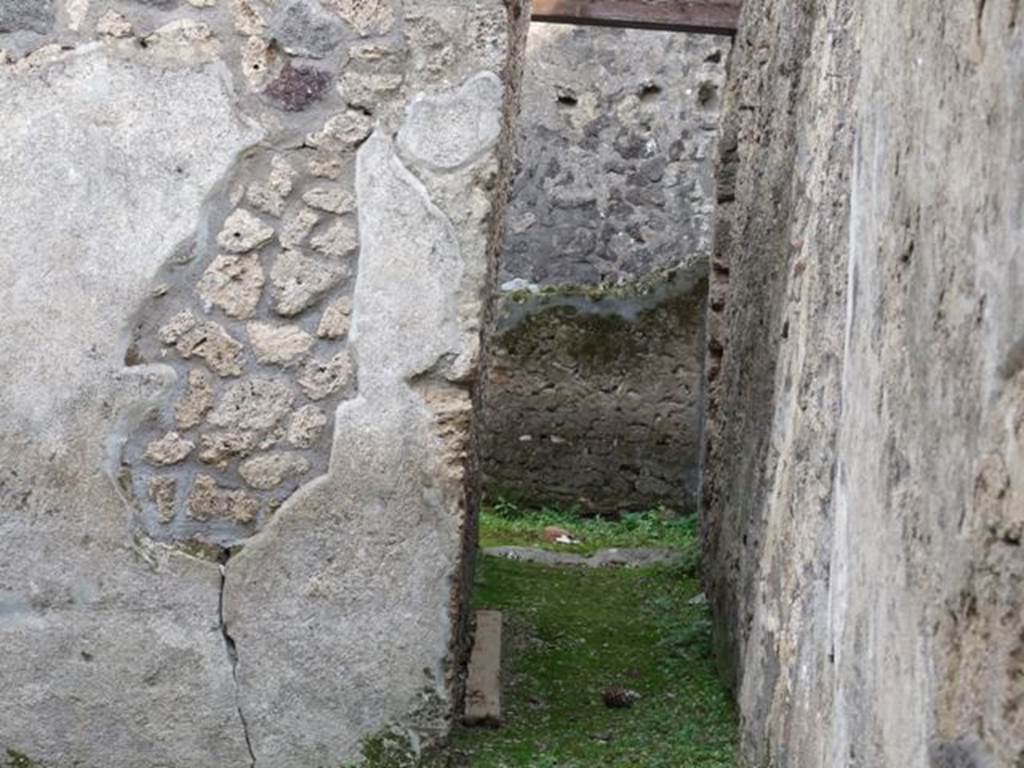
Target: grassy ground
505,524
571,632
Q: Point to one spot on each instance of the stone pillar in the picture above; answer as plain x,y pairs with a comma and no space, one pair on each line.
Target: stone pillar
245,248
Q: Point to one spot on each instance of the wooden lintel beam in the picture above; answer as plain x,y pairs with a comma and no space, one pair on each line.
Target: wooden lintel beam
716,17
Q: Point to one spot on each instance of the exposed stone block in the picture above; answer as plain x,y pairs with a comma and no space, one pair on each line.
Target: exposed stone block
162,491
337,241
198,400
300,281
209,501
330,199
253,404
319,378
295,88
270,196
243,232
306,426
172,448
234,283
368,17
218,448
336,319
304,28
267,471
278,344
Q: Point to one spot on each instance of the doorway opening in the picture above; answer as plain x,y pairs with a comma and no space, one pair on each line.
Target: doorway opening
592,394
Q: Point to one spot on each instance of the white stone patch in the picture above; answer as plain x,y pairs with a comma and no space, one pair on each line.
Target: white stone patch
243,232
447,129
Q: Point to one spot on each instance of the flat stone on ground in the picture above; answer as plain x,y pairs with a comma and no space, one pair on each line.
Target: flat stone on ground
483,683
628,558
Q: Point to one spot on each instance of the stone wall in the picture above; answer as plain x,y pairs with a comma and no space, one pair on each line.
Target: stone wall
606,250
245,251
864,470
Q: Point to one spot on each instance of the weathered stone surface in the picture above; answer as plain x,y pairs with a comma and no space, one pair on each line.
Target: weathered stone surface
172,448
82,600
269,470
147,166
253,404
233,283
243,232
416,303
113,24
320,378
615,176
300,281
336,319
367,90
337,241
304,28
218,448
269,196
257,61
278,344
209,501
297,226
27,15
248,18
330,199
864,415
295,88
342,132
193,407
447,129
483,683
306,426
596,402
368,17
207,341
183,39
161,492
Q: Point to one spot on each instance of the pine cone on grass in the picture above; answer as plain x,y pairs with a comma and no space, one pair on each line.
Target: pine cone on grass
617,697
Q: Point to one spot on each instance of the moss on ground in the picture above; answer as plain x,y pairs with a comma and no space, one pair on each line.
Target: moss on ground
571,632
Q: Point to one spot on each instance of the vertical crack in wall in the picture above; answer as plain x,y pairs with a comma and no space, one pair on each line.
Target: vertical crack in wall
232,650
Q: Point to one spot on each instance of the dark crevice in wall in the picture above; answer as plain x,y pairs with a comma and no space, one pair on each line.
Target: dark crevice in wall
232,651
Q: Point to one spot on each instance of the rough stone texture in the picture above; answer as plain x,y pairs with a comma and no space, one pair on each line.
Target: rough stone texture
163,153
234,284
300,281
306,426
336,319
593,384
118,649
864,470
304,28
270,470
170,449
243,232
26,15
280,344
614,171
596,403
111,654
208,501
320,378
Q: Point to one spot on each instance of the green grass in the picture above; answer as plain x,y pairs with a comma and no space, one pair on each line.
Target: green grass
571,632
503,523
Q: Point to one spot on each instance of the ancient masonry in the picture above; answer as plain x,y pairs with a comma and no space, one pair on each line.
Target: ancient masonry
595,358
245,247
864,483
